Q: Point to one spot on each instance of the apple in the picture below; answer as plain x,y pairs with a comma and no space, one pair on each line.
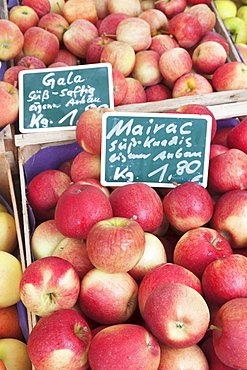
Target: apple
229,331
236,137
40,43
78,36
216,149
226,9
109,24
186,29
171,8
158,92
88,131
134,31
54,23
115,244
133,344
63,339
154,254
198,247
45,239
85,164
8,232
67,57
147,4
146,68
194,2
187,206
41,7
102,8
129,7
191,84
208,56
242,12
120,86
11,75
79,208
163,42
14,355
230,212
44,190
191,357
11,40
108,298
120,55
9,323
135,92
66,165
140,200
217,37
94,182
220,137
237,28
166,273
208,349
227,171
95,47
57,64
49,284
174,63
23,16
169,315
56,6
230,76
80,9
242,49
205,16
31,62
157,20
11,274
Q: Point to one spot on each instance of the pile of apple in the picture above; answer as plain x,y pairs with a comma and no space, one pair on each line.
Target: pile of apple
158,49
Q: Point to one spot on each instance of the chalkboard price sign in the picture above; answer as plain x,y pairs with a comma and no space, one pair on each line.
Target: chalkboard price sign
54,98
160,149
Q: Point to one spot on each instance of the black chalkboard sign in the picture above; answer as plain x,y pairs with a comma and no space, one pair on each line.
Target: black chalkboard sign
54,98
158,149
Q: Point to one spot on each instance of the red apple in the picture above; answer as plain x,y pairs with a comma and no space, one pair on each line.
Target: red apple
11,40
158,92
135,92
230,76
63,339
94,182
131,344
23,16
208,56
102,8
95,48
41,7
79,208
120,86
187,206
57,64
217,37
236,137
80,9
10,326
171,8
129,7
54,23
66,166
156,19
31,62
108,298
9,103
216,149
146,68
221,136
205,16
109,24
194,2
191,84
176,315
11,75
85,165
134,31
140,200
44,190
49,284
163,42
213,360
67,57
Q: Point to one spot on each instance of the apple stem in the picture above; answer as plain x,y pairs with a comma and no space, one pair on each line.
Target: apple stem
107,35
212,327
134,217
158,1
215,241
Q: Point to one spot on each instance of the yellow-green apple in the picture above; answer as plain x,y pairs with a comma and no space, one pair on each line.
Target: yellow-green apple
85,164
56,6
9,323
135,92
54,23
11,273
226,9
102,8
130,7
134,31
63,339
120,55
227,171
174,63
216,149
23,16
157,20
242,12
220,137
115,244
191,357
89,130
198,247
225,279
140,349
108,298
242,49
229,331
169,315
236,137
191,84
109,24
95,48
41,7
94,182
79,208
186,29
44,190
40,43
31,62
3,208
208,348
78,36
146,68
230,211
8,233
154,254
188,205
14,355
171,8
49,284
74,251
230,76
120,86
205,16
67,57
80,9
140,200
11,40
166,273
163,42
217,37
208,56
45,239
158,92
237,28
